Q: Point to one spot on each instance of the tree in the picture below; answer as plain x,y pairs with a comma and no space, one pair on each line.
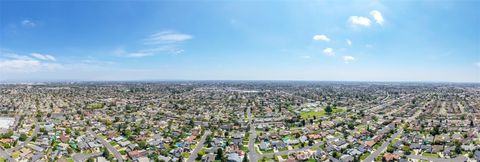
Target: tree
69,150
328,109
336,154
23,137
390,149
458,148
199,156
142,144
6,146
105,152
8,134
245,159
350,126
219,154
436,131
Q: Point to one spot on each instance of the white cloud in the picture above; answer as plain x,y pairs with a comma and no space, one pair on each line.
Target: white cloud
148,52
28,23
377,16
348,59
359,20
25,66
321,38
161,42
45,57
478,64
167,37
306,57
124,53
328,52
349,42
11,62
139,54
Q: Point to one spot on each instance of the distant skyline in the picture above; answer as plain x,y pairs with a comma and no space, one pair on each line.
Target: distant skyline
371,40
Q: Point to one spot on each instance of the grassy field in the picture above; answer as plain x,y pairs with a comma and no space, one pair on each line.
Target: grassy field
321,113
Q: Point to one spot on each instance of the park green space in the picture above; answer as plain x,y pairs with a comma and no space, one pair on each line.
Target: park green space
320,113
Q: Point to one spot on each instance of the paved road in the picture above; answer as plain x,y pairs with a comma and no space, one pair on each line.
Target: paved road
199,146
110,148
19,146
252,153
5,155
382,148
37,156
419,157
80,157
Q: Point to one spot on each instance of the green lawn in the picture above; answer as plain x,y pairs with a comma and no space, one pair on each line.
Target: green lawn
321,113
365,155
244,148
16,154
283,149
185,155
430,155
123,152
297,146
267,151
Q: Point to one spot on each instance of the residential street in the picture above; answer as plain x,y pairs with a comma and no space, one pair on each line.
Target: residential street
199,146
5,155
83,157
382,148
252,153
19,146
110,148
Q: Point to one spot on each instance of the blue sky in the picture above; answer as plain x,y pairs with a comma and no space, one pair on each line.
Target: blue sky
241,40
